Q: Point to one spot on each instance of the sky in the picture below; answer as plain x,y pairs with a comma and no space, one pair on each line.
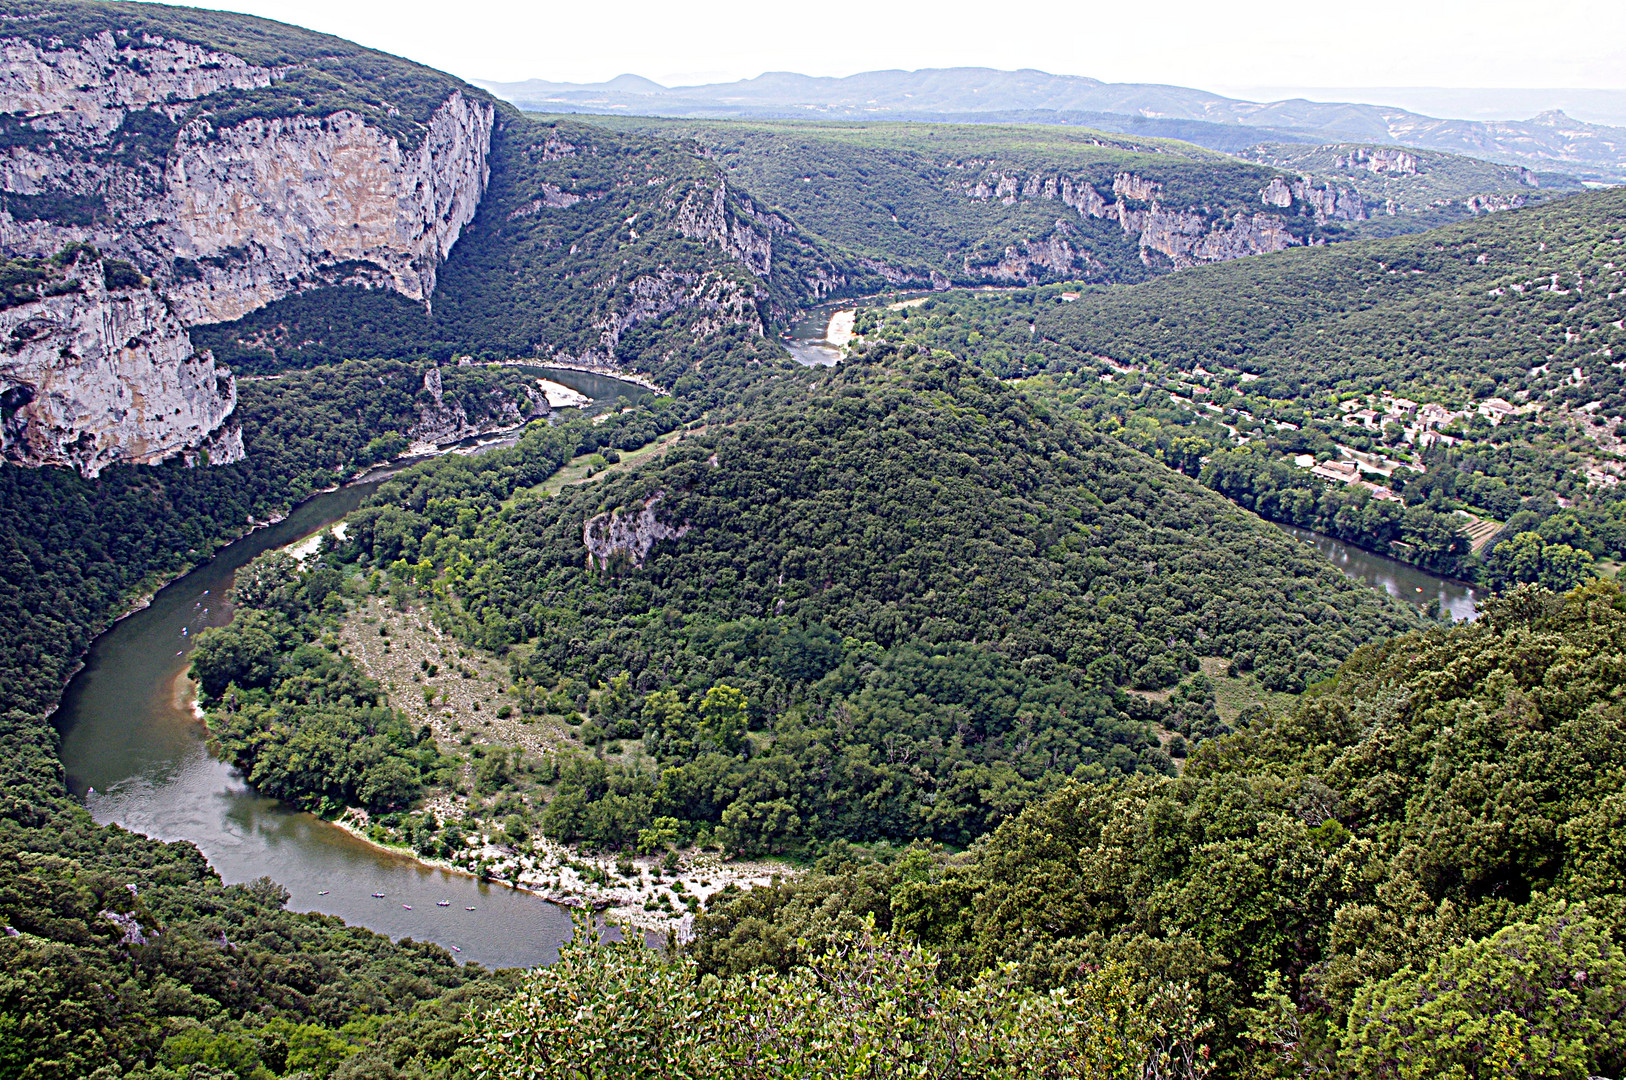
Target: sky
1376,43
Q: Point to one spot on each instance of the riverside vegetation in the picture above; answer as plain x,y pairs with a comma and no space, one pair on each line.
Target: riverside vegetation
949,647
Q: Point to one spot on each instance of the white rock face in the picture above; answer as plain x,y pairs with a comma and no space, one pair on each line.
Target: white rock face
222,220
1328,202
1185,238
628,535
256,211
1382,159
282,203
91,87
747,235
93,377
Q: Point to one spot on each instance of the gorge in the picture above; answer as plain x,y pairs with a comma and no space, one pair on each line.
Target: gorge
872,556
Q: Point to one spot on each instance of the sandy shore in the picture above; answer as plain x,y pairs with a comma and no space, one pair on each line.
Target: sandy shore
591,369
839,332
649,896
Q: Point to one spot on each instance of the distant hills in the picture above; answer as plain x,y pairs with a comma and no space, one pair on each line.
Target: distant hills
1549,140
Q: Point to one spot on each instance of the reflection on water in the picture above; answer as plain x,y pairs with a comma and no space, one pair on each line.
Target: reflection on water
1398,579
806,341
604,390
133,747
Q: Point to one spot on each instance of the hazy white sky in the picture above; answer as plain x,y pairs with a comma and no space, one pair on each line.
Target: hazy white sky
1465,43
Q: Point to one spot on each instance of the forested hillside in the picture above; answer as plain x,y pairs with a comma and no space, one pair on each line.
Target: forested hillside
898,601
973,203
646,243
1415,872
1521,299
1465,371
1405,189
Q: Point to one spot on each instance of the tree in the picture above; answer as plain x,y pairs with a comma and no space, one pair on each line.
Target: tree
1541,1000
244,652
391,784
1529,559
723,718
661,835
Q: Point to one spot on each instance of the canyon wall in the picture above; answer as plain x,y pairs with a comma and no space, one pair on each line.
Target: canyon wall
91,376
1185,237
181,160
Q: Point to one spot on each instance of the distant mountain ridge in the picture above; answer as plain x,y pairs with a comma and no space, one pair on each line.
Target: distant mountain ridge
1549,140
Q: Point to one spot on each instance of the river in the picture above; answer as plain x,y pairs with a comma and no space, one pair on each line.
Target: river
134,749
1398,579
809,338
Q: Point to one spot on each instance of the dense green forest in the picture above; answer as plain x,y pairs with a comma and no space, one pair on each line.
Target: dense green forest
804,659
1520,299
1250,365
1417,871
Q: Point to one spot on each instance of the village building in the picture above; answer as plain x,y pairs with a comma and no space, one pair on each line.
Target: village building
1427,438
1434,415
1379,492
1343,472
1367,418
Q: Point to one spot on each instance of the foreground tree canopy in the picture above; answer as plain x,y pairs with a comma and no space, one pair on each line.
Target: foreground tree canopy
1417,871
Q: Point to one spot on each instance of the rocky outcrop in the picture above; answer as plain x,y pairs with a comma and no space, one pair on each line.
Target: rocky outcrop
627,535
129,926
1130,186
742,231
228,218
92,376
1492,204
1327,202
1181,238
720,302
440,421
1380,159
1038,260
552,198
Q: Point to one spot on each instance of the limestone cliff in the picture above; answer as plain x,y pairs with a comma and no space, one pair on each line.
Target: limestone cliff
1183,237
629,535
92,375
226,216
272,207
183,161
